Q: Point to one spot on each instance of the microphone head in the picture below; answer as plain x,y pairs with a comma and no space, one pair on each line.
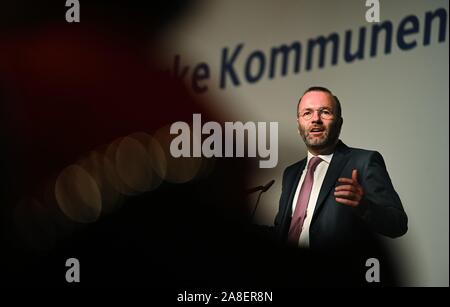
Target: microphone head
255,189
268,185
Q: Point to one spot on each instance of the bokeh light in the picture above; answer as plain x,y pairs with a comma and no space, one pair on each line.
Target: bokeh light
179,170
111,171
78,195
99,168
155,158
133,164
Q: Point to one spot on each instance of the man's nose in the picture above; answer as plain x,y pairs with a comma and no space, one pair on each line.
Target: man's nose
316,117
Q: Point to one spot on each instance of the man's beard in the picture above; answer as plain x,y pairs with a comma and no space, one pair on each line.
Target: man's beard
329,136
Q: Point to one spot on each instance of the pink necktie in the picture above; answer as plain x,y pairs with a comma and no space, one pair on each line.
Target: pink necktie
302,202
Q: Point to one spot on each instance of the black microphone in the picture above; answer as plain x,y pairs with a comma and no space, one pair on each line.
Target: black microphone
262,188
268,185
255,189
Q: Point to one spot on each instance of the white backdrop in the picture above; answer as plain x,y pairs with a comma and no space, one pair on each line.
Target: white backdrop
395,103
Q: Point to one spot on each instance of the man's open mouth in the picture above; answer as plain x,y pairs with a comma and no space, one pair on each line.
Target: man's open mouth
316,130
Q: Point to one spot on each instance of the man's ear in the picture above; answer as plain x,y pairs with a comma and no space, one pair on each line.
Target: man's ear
340,122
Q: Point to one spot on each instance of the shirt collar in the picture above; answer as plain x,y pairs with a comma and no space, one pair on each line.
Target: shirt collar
326,158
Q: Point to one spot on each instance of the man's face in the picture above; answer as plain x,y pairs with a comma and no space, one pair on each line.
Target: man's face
323,128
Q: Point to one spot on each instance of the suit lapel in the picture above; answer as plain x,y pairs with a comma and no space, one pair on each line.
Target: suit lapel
293,187
338,162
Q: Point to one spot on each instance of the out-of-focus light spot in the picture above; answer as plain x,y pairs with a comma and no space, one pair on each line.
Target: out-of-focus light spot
111,170
156,165
133,164
78,195
64,224
159,161
179,170
97,166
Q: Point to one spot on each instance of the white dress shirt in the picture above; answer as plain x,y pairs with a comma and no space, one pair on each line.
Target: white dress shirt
319,175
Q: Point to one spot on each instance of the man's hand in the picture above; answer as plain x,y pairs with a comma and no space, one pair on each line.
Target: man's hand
350,192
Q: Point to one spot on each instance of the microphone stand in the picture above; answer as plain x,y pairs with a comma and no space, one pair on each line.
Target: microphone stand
256,205
262,189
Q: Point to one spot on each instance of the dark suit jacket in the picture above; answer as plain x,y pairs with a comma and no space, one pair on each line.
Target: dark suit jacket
335,225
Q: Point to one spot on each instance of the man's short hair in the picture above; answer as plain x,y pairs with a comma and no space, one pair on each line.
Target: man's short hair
323,89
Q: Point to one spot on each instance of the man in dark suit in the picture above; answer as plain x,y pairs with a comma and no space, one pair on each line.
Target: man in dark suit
337,197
